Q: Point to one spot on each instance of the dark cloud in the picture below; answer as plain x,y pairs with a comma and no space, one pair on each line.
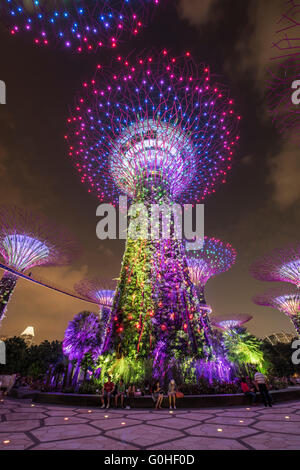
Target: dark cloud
198,12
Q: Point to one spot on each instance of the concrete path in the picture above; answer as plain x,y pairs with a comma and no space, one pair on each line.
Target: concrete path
24,425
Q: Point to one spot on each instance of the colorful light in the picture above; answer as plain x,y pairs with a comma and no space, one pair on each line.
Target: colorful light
82,336
99,291
215,257
284,299
159,123
160,130
282,264
28,240
81,25
231,322
102,292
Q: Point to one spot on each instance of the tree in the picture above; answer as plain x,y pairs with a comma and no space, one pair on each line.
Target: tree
82,337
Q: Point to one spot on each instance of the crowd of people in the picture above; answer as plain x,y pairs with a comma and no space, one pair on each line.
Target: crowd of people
119,394
114,393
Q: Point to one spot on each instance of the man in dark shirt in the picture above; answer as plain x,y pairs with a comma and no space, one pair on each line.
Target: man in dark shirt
107,391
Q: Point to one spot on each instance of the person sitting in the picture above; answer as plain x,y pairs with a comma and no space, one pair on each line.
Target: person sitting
146,389
130,396
158,395
107,392
120,391
247,391
172,390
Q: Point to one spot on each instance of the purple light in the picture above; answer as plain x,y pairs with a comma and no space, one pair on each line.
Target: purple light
214,258
28,240
226,323
83,25
284,299
23,252
138,127
282,264
82,336
100,291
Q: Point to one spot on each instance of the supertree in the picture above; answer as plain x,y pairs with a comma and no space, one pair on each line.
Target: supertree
215,257
285,299
231,322
28,240
82,337
101,292
160,130
238,345
81,25
280,265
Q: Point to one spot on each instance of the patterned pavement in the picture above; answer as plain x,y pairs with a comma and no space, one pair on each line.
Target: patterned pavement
24,425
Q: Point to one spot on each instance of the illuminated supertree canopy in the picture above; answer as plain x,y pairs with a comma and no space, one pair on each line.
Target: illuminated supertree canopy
215,257
157,129
226,323
28,240
81,25
282,264
286,300
100,291
158,124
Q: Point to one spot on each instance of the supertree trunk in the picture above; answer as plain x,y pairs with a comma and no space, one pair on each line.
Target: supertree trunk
133,306
106,329
204,313
296,322
7,285
156,312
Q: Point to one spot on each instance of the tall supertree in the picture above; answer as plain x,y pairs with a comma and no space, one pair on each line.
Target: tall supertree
285,299
215,257
80,25
28,240
282,264
101,292
161,130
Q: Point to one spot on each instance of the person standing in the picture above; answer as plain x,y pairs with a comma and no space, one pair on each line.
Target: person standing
261,386
172,393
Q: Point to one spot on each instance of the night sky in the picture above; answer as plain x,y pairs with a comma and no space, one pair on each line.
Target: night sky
256,211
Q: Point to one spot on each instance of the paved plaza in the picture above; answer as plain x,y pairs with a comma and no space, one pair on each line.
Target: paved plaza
24,425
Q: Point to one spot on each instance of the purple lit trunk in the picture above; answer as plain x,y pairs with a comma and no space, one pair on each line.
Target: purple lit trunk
7,285
76,374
